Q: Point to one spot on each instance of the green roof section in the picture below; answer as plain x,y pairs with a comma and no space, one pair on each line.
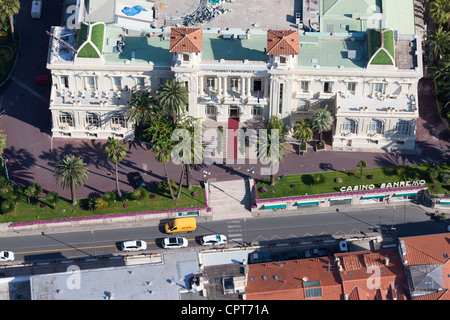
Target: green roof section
380,47
90,40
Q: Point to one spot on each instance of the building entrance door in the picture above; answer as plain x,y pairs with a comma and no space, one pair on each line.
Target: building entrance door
234,112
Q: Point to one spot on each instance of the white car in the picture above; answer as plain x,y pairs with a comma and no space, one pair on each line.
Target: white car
213,239
6,256
133,245
174,243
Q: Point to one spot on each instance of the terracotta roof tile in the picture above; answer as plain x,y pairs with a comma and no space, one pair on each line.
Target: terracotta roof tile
283,42
186,40
428,249
441,295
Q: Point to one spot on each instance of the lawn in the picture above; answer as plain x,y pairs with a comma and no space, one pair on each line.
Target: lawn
25,212
303,184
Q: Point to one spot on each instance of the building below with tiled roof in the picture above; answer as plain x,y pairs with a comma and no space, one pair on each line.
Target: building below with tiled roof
427,264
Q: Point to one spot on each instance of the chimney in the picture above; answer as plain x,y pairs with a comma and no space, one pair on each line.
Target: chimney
386,261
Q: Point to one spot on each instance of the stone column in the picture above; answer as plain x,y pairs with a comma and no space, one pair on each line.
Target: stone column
266,87
243,87
201,86
249,86
219,89
225,89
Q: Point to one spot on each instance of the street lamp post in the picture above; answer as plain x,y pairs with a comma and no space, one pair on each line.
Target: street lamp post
206,174
6,168
251,171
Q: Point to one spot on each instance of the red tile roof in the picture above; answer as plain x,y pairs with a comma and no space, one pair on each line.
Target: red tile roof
283,42
365,275
186,40
286,280
428,249
441,295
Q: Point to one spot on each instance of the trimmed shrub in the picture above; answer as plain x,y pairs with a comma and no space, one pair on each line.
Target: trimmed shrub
293,185
52,197
152,196
126,205
370,176
43,205
6,192
7,206
262,190
139,193
350,173
194,194
444,177
109,196
338,180
98,204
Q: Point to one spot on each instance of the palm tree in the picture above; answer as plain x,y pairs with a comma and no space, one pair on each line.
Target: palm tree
361,164
302,130
173,97
322,121
439,42
268,147
72,172
9,8
163,155
115,151
440,12
140,106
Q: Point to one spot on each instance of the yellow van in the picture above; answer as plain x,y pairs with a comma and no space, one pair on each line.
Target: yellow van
181,225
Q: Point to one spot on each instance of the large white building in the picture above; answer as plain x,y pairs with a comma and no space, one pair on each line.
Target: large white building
362,59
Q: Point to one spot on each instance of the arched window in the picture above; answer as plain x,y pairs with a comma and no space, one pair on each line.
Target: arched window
349,125
65,119
92,119
376,126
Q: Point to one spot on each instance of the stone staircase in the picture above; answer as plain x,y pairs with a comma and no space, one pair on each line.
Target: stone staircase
230,199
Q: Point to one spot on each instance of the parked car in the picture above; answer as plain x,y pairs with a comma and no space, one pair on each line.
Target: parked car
7,256
174,243
137,179
43,79
133,245
213,239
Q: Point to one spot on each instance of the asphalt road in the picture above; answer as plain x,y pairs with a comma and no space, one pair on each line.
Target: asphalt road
408,219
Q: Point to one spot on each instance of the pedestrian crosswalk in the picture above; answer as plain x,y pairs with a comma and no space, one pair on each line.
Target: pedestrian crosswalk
234,230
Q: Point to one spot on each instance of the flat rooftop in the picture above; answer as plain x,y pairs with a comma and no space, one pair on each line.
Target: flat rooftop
161,281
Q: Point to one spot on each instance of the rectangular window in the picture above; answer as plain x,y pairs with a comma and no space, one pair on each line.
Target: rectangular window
234,83
351,87
328,87
64,81
210,110
302,105
280,102
140,81
401,127
210,83
282,59
90,83
378,87
257,111
185,57
305,86
117,81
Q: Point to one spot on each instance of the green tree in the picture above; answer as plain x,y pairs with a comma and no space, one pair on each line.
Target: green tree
173,97
140,110
116,151
361,164
303,131
2,143
8,9
72,172
322,121
440,12
163,151
439,42
53,198
268,146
